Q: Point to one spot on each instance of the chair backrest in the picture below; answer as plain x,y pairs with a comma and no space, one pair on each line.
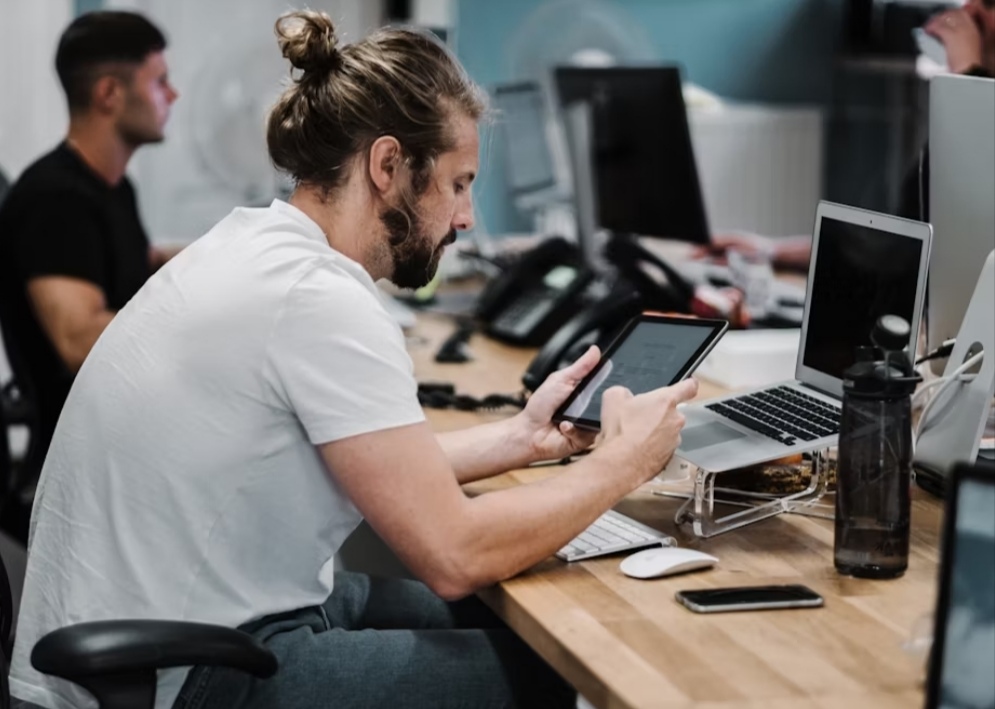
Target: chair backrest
6,621
6,462
4,186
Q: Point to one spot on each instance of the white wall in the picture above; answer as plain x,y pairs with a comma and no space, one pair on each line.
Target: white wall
223,59
33,113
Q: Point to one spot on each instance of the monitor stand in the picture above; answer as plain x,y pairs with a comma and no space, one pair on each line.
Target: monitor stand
953,430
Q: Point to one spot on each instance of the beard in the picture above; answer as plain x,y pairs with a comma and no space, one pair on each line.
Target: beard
140,124
413,250
137,132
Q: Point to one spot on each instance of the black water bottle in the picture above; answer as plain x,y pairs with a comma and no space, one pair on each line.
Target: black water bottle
875,457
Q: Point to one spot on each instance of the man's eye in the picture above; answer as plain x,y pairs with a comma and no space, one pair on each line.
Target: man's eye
460,188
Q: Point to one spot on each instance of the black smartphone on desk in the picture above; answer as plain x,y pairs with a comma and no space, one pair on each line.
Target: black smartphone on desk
749,598
651,352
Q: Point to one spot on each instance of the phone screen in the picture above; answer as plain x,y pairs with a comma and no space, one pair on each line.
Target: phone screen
651,352
713,600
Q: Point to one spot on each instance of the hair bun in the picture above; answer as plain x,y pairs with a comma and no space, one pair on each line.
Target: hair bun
307,39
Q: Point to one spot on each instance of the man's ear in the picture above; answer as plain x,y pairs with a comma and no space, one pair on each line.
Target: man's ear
107,92
385,162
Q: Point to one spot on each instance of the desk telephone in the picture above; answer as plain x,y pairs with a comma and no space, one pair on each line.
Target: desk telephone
535,296
545,299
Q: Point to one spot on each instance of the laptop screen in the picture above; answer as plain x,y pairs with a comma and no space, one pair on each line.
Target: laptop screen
965,674
860,273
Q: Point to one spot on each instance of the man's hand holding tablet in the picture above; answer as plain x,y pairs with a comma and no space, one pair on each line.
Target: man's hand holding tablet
652,353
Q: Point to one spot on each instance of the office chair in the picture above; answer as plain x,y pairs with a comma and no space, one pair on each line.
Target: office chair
117,660
4,186
17,477
6,460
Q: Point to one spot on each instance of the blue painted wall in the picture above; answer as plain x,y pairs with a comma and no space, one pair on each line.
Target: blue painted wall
778,51
88,6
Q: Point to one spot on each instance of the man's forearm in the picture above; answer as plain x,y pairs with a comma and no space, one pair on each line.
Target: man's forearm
75,344
514,528
486,450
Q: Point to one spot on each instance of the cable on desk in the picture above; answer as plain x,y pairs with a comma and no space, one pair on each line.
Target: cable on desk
442,395
454,349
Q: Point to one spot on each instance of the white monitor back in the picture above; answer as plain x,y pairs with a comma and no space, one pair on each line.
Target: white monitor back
760,166
961,196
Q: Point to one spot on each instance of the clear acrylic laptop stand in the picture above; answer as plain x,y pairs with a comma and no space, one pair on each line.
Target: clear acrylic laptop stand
701,513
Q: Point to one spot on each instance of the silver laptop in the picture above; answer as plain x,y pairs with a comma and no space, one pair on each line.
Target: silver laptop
863,265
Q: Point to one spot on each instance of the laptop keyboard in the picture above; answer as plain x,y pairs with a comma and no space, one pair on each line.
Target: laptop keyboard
783,414
610,533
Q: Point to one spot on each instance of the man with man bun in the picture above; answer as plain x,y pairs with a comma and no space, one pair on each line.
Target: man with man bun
255,401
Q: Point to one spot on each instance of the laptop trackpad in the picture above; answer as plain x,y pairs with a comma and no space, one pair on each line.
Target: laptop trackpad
708,434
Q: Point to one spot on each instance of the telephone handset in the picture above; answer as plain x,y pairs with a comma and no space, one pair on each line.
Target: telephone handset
597,325
535,296
643,270
639,287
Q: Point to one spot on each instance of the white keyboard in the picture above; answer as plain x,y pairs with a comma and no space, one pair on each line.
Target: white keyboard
611,533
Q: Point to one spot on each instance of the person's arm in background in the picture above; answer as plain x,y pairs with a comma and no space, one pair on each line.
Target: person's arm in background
791,252
61,254
160,255
968,35
72,313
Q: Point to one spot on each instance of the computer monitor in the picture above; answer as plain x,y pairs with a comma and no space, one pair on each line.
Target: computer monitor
962,658
645,172
961,203
522,116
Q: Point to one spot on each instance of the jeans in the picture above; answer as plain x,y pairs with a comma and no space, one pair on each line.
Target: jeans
384,643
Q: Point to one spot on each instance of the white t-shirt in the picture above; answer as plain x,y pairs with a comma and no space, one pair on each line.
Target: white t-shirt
183,481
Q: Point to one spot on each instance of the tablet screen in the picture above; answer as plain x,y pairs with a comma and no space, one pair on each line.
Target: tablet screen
653,352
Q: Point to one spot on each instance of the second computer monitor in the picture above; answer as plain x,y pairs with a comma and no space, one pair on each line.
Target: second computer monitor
530,162
961,189
645,172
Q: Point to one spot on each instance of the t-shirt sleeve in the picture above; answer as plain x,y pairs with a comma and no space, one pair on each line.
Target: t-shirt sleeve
61,235
338,361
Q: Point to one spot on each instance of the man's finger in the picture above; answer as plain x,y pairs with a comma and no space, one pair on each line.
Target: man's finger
583,366
578,437
677,393
615,395
685,390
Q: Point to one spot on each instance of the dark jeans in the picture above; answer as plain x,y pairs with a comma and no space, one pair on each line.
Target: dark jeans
384,643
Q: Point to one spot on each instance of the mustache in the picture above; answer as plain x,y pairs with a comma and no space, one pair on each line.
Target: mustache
450,238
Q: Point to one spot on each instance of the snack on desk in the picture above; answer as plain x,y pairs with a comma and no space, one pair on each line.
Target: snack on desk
782,477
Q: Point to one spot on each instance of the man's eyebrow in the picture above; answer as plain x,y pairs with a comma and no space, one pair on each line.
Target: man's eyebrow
469,176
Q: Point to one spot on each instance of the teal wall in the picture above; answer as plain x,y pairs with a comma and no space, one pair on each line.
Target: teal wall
778,51
88,6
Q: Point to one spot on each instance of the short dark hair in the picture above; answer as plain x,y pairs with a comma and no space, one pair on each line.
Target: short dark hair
101,38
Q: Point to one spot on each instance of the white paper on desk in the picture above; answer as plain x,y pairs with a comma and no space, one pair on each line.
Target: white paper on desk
752,358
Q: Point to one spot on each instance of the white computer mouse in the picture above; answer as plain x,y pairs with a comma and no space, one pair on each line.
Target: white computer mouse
664,561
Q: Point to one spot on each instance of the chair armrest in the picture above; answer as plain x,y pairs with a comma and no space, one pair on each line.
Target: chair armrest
114,647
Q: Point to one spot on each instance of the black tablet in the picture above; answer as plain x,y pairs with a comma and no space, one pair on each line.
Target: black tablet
651,352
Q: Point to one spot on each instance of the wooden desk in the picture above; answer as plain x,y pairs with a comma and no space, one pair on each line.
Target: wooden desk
626,643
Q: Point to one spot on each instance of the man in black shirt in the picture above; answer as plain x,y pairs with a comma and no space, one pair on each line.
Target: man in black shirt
72,247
